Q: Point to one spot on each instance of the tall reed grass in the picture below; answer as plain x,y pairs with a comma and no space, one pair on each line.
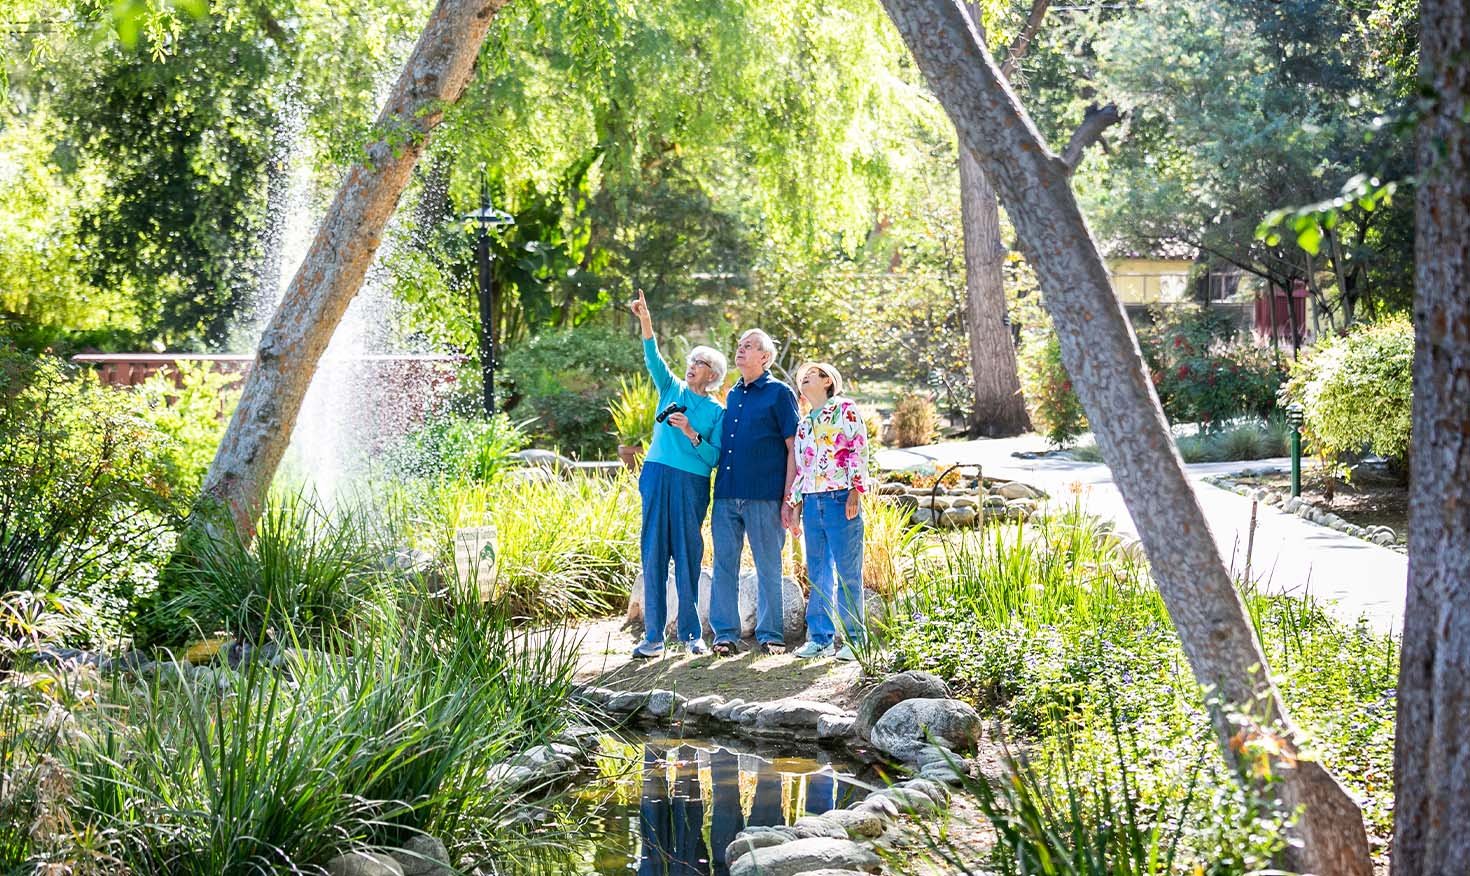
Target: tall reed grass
389,730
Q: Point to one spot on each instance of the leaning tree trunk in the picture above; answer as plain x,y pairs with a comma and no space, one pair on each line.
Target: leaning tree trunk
1432,748
435,76
1101,354
1000,410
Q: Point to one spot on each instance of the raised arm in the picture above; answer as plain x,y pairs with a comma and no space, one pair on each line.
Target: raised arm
658,369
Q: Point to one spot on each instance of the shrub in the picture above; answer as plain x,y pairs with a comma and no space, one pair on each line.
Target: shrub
82,476
1356,391
563,548
562,384
914,420
1053,405
634,411
1203,373
191,414
458,448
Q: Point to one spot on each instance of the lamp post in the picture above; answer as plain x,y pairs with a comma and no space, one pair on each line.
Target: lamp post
1295,416
487,217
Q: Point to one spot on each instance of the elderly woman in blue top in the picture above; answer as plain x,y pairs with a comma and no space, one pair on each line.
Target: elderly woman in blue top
674,486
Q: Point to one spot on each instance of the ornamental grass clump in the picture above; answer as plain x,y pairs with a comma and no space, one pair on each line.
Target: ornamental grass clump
305,571
387,731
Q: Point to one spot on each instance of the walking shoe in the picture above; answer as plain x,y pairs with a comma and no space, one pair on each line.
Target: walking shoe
846,654
648,651
812,649
772,648
697,648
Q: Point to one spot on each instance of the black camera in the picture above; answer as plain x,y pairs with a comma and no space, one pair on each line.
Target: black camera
674,408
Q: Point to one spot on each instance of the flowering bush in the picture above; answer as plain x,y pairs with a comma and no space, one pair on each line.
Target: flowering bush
1202,373
1054,407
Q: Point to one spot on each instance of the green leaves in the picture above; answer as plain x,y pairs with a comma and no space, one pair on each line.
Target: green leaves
1309,224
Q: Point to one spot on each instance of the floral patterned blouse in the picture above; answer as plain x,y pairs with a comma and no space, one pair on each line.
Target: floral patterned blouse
831,450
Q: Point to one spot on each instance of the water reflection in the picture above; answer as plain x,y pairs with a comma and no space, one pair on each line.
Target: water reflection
693,801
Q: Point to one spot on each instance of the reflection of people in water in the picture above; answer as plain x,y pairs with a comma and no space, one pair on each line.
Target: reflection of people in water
671,824
726,819
765,809
821,793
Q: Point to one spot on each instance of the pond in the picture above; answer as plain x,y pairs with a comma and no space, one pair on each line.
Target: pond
672,806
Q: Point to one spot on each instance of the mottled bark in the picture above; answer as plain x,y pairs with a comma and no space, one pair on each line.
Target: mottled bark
435,76
1000,410
1432,746
1102,356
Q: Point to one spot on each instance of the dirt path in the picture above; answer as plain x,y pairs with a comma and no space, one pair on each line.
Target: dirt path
606,660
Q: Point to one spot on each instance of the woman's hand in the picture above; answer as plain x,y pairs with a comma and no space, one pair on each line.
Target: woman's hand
791,518
681,422
640,310
854,504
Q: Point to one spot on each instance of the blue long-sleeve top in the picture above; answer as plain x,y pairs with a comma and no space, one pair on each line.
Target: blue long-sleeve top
670,446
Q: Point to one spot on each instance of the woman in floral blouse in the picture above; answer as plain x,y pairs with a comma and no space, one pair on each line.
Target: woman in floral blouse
831,476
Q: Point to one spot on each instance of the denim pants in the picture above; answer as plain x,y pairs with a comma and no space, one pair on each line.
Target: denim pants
834,544
674,505
731,523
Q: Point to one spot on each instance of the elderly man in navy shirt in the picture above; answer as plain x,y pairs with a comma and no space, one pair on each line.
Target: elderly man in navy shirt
753,476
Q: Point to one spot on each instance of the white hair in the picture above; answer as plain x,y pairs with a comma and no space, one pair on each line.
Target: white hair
716,361
763,341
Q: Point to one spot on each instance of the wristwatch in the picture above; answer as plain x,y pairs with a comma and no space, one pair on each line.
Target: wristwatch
697,439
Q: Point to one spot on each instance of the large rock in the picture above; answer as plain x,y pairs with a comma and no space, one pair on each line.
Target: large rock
958,518
797,715
423,855
908,727
671,602
859,824
1015,490
749,841
804,856
892,691
364,864
553,462
792,601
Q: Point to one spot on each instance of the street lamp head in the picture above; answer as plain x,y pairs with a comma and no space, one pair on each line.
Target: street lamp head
1296,415
491,217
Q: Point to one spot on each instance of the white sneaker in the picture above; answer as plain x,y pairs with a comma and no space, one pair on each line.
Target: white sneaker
648,651
812,649
846,655
697,648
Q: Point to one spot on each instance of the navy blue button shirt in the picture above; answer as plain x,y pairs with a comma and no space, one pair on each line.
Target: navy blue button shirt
759,417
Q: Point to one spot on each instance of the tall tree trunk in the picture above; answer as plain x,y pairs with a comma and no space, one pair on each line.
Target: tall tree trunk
1000,410
435,76
1102,356
1432,748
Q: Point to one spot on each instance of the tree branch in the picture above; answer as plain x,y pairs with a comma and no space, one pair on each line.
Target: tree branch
1022,42
1097,120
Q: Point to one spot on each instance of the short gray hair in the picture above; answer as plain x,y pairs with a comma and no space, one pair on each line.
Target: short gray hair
763,341
716,361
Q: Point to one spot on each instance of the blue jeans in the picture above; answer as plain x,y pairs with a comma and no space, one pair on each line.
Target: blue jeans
732,522
674,506
834,544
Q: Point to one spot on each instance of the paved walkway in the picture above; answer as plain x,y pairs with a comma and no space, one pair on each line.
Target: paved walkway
1290,555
